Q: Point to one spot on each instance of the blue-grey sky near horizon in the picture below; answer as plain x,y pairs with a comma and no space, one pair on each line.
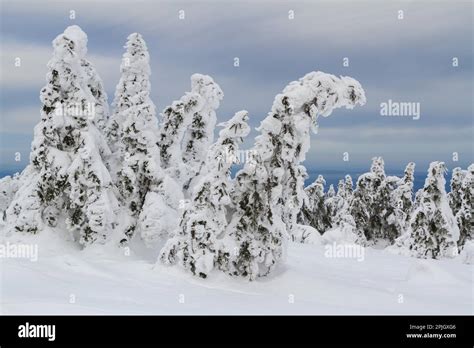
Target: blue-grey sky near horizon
403,60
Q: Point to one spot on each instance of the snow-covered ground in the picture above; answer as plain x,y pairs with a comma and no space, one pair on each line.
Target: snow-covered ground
66,280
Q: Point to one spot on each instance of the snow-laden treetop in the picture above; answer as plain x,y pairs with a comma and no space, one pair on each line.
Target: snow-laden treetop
296,110
236,127
436,173
318,93
205,86
71,45
136,59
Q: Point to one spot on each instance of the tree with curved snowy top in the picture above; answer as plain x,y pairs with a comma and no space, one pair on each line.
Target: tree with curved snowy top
200,133
269,189
68,185
433,232
199,245
176,119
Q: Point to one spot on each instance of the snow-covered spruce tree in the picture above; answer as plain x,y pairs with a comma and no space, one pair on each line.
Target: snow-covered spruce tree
387,212
269,189
454,196
90,202
348,188
465,214
313,211
198,245
371,205
176,119
331,192
433,232
9,185
136,150
403,197
200,133
133,84
362,206
67,180
330,203
338,207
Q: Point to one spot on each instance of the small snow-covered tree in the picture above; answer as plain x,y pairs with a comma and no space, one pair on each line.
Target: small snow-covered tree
454,196
403,197
331,192
9,185
269,190
433,232
364,204
340,215
314,211
330,203
374,208
465,213
197,245
200,133
68,181
348,188
387,212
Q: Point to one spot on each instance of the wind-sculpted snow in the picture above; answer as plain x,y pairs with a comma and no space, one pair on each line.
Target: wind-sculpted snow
106,281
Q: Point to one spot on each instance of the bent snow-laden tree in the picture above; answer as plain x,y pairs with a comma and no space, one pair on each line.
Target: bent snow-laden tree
68,184
269,189
199,245
433,232
200,133
187,130
175,120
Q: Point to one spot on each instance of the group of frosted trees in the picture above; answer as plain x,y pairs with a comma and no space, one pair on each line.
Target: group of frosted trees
122,177
381,211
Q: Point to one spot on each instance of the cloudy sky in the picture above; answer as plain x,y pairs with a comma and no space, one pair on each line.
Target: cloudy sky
403,60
